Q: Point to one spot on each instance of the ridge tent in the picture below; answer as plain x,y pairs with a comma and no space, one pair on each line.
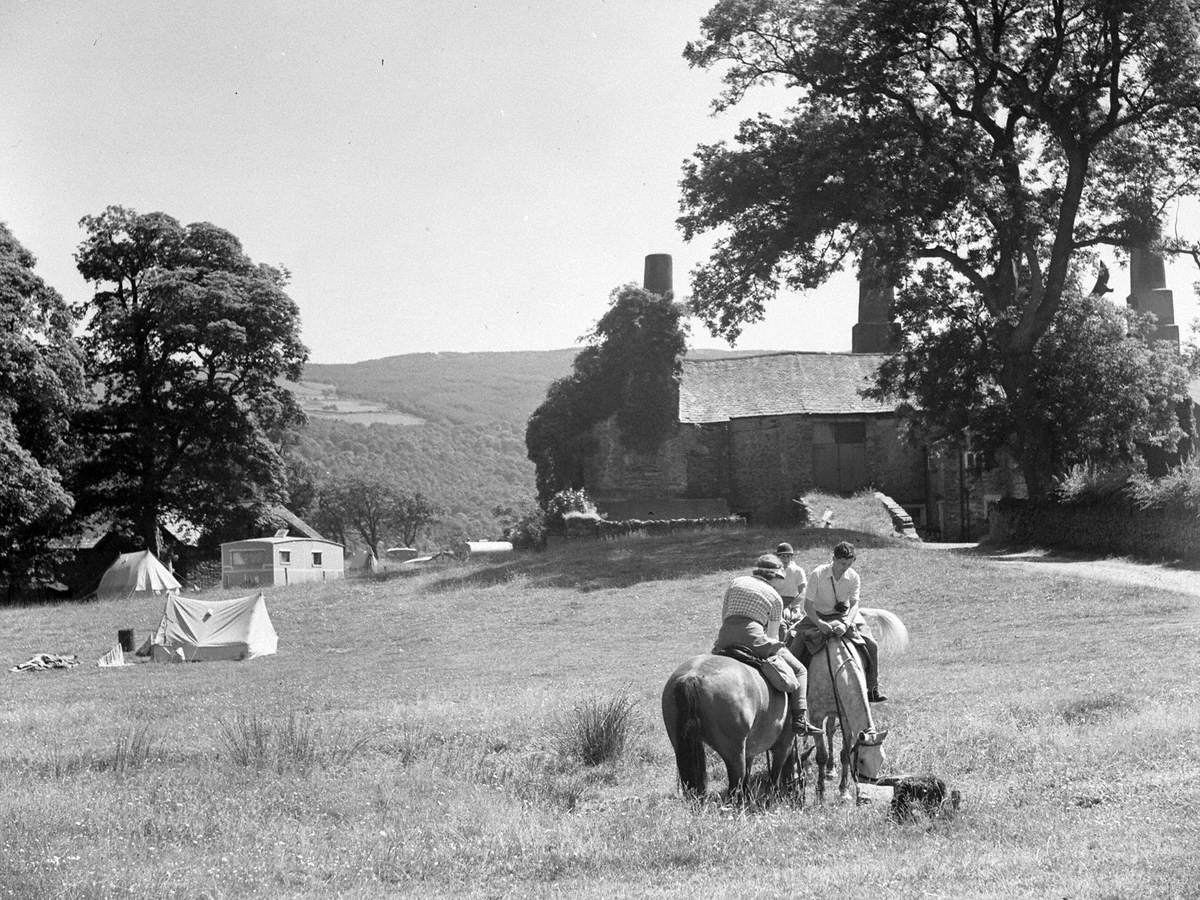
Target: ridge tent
197,630
136,576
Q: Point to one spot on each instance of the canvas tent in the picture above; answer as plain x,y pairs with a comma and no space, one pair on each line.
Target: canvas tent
196,630
136,576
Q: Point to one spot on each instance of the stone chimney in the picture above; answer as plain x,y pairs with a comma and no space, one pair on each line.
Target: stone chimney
1148,291
657,277
873,332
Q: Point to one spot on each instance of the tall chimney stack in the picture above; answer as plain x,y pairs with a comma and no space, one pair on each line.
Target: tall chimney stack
1148,291
657,277
873,333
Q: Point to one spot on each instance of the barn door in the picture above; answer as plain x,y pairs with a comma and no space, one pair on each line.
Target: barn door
840,456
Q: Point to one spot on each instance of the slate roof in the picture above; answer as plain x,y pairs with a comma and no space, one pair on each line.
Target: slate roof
777,384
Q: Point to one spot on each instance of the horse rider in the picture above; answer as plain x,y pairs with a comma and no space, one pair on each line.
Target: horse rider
831,610
751,616
791,587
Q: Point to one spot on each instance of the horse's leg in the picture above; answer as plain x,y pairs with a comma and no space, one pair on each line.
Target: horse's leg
821,760
844,785
827,745
735,768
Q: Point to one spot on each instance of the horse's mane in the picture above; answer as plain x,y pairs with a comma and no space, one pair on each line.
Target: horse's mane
887,628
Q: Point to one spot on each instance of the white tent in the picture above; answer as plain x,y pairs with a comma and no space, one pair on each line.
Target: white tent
195,630
136,576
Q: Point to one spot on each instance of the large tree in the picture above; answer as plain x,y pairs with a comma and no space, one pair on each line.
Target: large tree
997,141
629,369
188,340
1102,390
41,383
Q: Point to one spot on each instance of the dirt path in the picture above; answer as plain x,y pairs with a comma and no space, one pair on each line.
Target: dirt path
1114,571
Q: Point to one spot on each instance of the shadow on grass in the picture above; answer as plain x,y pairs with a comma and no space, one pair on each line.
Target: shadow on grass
1033,554
592,565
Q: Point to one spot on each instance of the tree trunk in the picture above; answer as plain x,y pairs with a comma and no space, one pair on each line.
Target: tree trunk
1033,437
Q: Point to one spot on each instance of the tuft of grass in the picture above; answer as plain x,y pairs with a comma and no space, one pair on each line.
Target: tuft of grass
133,749
1093,710
291,743
256,742
599,729
247,739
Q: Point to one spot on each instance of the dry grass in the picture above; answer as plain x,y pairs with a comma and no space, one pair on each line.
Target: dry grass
408,739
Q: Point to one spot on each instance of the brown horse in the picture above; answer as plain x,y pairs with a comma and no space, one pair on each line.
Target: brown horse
726,704
837,693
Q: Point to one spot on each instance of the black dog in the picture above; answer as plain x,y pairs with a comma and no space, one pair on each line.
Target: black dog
928,793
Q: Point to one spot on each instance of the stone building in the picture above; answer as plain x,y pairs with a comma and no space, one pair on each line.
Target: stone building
754,433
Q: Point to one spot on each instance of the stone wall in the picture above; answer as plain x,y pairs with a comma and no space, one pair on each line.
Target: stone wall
895,467
1117,528
773,462
759,465
693,462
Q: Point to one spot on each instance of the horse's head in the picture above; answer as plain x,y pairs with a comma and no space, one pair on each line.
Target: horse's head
869,752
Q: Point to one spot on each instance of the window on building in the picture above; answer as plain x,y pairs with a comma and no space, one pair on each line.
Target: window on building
285,556
316,559
248,557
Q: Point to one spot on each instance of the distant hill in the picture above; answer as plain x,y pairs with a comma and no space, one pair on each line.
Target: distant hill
452,388
449,425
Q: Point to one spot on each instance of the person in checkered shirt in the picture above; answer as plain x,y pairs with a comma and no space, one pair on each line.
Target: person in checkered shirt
751,613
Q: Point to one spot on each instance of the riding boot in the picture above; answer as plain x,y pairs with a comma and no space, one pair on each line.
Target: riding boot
871,665
799,714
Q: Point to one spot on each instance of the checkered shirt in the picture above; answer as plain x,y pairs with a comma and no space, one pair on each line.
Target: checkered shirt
755,599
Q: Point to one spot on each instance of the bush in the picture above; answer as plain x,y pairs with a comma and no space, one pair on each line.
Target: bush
570,500
1087,483
526,530
1178,490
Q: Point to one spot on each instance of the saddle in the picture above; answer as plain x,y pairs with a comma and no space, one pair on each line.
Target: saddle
777,675
742,655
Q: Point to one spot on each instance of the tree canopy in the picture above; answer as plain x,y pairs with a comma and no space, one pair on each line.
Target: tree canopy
629,369
374,509
187,340
41,384
999,142
1101,389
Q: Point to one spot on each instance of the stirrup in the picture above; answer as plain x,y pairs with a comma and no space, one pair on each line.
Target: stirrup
804,727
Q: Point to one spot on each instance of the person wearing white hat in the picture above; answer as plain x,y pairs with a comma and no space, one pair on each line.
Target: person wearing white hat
792,585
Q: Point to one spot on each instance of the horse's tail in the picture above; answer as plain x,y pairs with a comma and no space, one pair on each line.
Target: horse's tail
689,747
889,631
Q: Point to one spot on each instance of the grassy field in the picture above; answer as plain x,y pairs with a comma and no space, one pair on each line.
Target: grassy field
412,737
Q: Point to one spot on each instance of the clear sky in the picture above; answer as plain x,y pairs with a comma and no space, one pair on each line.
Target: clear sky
436,174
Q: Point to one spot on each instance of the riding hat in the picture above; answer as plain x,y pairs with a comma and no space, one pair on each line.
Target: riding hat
785,548
768,566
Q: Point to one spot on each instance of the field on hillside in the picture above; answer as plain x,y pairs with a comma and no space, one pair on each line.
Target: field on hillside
409,738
